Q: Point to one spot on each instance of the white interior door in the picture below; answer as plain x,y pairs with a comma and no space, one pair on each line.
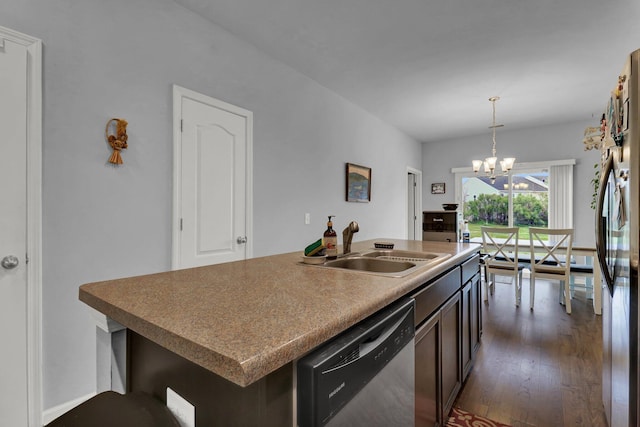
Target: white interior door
212,204
13,233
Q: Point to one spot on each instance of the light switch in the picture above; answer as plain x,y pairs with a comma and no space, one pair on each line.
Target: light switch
307,218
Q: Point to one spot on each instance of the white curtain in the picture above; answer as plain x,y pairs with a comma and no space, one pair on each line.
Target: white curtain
561,196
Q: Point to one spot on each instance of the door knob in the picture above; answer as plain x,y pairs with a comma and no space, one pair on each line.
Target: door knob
9,262
241,240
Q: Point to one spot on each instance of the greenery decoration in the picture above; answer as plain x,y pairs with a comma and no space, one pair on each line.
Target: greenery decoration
595,183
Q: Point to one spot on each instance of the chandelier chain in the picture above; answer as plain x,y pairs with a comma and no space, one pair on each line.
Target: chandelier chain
493,100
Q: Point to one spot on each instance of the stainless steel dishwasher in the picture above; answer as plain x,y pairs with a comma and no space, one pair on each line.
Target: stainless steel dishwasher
365,376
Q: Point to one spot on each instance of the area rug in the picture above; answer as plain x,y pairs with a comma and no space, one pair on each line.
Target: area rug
460,418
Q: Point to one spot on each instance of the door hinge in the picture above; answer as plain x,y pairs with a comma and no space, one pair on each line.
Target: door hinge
181,125
180,224
26,258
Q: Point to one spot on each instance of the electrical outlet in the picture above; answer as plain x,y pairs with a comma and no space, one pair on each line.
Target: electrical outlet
184,411
307,218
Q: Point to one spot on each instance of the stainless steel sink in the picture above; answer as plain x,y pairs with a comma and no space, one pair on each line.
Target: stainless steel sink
391,263
373,265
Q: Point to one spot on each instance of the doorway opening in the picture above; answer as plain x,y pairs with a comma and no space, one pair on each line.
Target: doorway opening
414,204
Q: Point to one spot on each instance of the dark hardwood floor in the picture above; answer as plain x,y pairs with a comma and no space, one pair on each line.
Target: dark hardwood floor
537,368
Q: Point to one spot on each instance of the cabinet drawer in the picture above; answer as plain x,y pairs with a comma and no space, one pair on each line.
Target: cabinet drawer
470,268
435,294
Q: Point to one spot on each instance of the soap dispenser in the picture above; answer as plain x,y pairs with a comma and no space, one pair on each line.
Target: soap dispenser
330,240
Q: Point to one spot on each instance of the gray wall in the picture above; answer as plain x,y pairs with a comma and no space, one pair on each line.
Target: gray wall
119,58
557,142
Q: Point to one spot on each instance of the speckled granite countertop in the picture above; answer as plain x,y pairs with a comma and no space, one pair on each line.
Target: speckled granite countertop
243,320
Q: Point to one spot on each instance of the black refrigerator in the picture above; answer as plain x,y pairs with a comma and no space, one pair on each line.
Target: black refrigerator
617,235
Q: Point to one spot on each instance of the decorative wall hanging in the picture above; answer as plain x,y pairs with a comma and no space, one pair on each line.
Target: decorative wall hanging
117,140
437,188
593,136
358,183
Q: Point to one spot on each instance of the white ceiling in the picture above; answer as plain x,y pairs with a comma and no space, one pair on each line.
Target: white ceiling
428,67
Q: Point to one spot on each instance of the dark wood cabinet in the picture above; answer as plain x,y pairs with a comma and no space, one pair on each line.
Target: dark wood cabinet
438,374
467,352
471,324
471,313
427,369
476,314
447,337
451,360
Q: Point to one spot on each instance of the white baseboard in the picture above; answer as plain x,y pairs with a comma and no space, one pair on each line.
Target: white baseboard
53,413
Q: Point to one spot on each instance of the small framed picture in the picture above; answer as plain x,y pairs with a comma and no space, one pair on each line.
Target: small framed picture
437,188
358,183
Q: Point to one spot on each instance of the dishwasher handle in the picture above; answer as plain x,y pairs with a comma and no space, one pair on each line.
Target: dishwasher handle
372,342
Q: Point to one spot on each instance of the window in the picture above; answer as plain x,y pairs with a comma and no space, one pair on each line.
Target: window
531,195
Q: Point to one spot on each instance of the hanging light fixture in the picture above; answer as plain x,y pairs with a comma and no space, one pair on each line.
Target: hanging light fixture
490,162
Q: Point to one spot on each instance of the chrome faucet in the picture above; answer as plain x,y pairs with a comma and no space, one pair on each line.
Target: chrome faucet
347,235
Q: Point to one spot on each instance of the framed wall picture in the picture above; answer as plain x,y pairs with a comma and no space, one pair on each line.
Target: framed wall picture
437,188
358,179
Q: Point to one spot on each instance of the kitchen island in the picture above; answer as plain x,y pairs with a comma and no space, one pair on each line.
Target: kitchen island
243,324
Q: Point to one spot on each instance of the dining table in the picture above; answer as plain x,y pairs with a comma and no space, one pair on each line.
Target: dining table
590,255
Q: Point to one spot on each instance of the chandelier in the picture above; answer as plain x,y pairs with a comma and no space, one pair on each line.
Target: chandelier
490,162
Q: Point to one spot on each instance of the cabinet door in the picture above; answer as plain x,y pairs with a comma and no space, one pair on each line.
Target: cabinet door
427,370
467,329
476,315
451,356
471,323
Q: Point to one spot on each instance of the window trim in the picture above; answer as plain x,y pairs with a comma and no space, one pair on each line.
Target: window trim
522,166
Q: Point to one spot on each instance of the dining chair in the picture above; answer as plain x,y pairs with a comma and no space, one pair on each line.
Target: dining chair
586,282
551,259
500,250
